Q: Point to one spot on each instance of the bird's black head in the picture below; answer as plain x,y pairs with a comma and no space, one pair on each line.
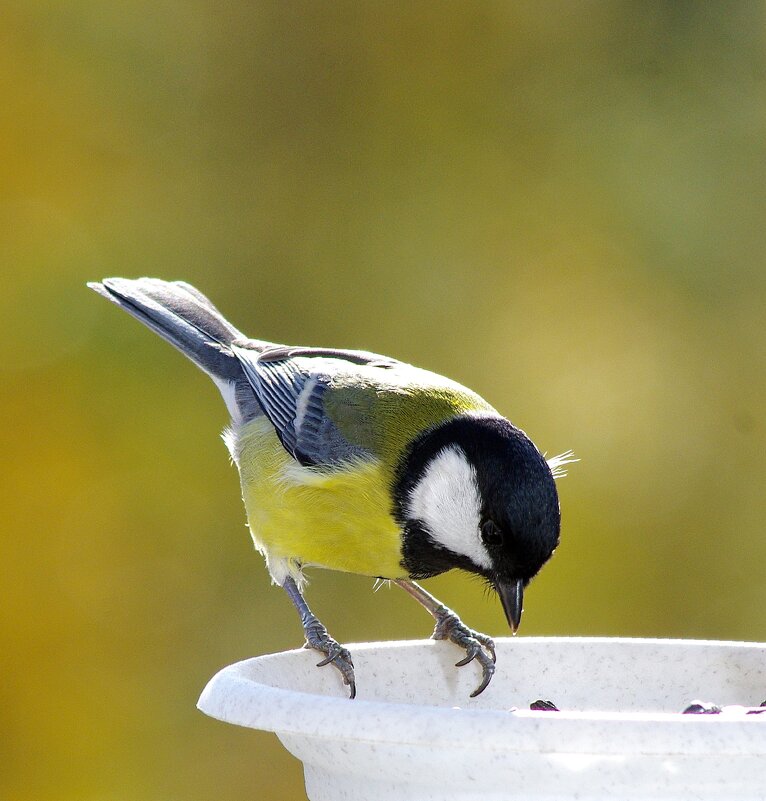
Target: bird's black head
475,493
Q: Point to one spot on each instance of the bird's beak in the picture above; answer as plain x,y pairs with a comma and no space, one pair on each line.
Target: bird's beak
512,597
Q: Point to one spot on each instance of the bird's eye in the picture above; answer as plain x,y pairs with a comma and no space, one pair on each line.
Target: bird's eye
491,533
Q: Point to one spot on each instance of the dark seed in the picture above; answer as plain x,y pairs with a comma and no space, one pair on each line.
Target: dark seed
543,706
702,708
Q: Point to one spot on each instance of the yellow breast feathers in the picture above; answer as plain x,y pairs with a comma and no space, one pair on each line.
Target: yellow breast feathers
339,519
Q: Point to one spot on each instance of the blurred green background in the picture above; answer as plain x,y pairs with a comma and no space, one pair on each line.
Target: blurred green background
560,204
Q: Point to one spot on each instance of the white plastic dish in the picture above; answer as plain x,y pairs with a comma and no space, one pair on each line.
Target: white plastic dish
413,733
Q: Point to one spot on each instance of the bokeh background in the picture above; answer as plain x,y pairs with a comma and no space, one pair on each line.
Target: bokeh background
560,204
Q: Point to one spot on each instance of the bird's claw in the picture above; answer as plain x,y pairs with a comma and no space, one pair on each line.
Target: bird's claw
476,645
331,657
473,652
335,654
487,642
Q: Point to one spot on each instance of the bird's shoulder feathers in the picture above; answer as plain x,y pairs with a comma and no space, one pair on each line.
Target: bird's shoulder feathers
331,407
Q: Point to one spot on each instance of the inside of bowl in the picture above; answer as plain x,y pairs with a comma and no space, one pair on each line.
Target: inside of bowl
577,674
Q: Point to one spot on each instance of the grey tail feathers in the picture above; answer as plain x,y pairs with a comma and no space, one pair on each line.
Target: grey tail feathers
183,316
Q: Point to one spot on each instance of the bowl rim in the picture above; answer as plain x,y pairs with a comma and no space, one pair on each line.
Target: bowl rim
233,695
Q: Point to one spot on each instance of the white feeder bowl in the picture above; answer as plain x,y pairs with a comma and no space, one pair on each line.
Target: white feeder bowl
413,733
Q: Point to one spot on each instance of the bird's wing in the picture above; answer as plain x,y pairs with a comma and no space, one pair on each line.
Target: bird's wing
331,407
291,383
278,353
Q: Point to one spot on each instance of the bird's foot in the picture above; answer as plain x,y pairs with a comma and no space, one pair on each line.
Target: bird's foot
476,645
335,654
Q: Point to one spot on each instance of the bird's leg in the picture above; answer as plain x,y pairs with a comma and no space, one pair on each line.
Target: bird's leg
450,627
318,638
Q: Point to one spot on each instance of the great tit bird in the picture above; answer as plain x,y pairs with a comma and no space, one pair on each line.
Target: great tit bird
357,462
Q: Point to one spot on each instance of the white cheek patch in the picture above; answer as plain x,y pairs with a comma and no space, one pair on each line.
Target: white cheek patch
447,500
